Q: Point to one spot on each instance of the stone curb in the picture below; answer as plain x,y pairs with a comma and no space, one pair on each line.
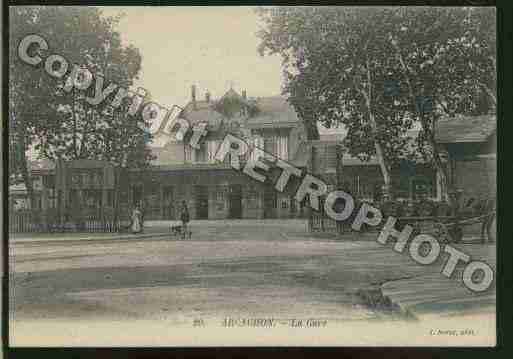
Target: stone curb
408,305
90,239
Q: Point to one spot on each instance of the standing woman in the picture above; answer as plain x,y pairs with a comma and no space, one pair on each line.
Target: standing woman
136,220
184,216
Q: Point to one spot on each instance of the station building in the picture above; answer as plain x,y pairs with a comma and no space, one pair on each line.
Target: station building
213,190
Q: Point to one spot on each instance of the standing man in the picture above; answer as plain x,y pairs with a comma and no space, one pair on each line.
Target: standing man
184,217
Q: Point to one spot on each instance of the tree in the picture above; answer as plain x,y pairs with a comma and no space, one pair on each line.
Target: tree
447,66
335,63
61,124
26,87
380,71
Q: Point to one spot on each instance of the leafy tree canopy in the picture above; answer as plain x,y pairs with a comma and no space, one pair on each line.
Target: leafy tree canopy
413,65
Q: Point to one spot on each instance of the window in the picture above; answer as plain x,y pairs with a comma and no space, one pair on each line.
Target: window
188,153
168,197
282,147
220,197
415,186
276,145
270,198
423,187
252,194
269,144
284,203
207,152
212,147
167,192
258,146
293,205
110,198
366,188
220,194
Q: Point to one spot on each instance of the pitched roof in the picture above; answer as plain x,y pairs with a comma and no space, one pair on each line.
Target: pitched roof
275,112
203,112
302,156
41,165
188,166
231,93
332,137
461,129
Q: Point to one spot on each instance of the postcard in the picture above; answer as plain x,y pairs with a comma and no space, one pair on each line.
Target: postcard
252,176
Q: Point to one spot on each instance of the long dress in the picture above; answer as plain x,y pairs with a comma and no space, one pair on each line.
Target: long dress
136,221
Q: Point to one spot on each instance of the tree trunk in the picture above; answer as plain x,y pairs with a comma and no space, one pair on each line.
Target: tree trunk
74,118
311,129
490,94
387,178
437,162
445,185
21,132
385,171
25,172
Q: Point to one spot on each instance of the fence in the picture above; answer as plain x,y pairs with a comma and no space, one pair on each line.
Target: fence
319,222
30,221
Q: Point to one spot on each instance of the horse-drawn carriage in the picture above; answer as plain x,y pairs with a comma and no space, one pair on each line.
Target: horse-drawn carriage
446,222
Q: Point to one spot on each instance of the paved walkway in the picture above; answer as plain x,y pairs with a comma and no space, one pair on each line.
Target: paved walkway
83,237
425,293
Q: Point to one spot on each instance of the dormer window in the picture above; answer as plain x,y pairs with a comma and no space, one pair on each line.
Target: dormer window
205,154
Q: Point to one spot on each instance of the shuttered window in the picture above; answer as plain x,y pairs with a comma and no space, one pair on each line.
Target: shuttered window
212,147
258,148
188,153
277,145
282,147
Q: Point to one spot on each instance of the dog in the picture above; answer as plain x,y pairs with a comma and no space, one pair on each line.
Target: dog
176,230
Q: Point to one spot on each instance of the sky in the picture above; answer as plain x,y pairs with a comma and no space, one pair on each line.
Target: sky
212,47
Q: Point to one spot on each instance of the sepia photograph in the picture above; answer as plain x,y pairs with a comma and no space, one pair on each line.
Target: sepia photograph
191,176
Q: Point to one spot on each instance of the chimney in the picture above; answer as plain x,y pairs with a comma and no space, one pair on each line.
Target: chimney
244,94
207,96
193,96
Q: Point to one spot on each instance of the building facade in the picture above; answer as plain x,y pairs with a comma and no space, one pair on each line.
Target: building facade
468,145
471,145
213,190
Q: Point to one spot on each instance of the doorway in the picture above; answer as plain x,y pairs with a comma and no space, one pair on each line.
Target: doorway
168,203
137,195
235,201
201,194
270,202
